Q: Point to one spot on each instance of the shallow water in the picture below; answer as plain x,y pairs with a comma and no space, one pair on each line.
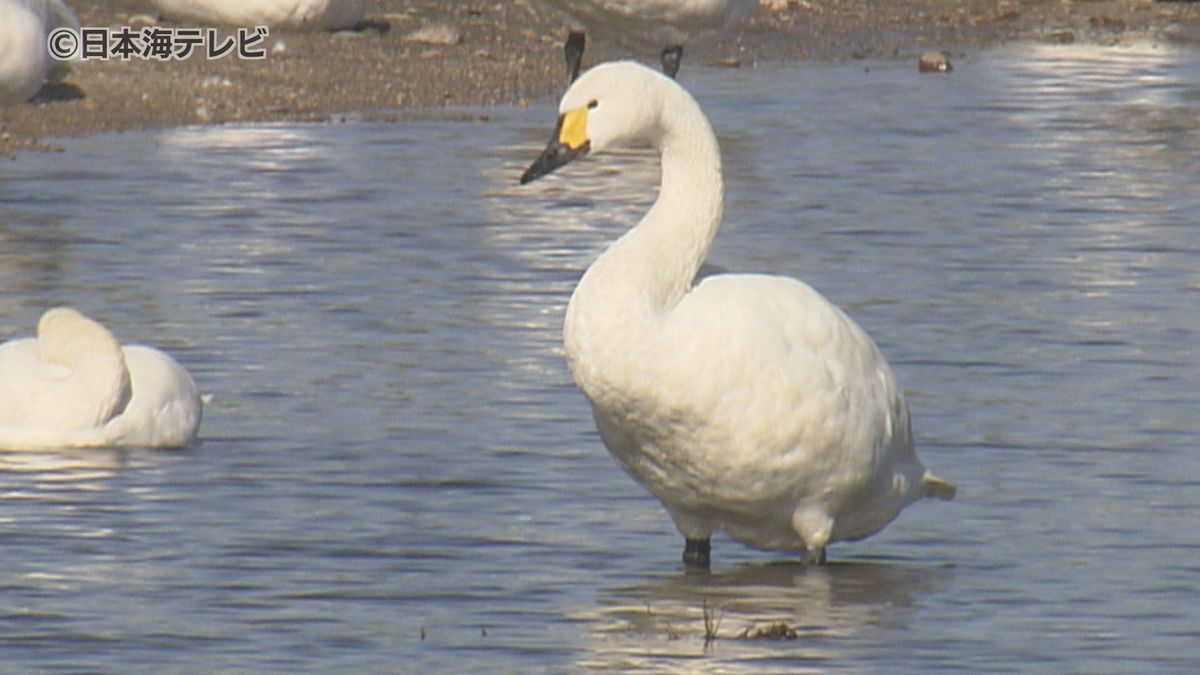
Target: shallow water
396,472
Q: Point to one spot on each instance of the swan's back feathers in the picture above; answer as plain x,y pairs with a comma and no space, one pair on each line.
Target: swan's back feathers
72,376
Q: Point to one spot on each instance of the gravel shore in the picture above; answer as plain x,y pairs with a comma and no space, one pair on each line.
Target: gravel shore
410,55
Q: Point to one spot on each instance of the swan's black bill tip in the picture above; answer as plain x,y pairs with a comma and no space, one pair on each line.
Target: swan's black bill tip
555,155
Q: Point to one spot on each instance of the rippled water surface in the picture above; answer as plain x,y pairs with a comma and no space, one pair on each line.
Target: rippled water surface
396,473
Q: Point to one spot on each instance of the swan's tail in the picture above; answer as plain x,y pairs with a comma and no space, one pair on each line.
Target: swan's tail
937,488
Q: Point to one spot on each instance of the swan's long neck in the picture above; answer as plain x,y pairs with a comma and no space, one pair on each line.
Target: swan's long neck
653,265
646,272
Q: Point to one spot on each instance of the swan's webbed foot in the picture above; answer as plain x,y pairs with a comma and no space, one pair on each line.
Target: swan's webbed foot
696,553
671,56
573,51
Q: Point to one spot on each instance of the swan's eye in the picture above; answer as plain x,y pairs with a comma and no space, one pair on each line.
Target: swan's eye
592,104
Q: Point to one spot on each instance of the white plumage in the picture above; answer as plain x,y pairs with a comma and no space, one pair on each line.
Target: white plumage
25,62
663,25
652,23
290,14
747,404
74,385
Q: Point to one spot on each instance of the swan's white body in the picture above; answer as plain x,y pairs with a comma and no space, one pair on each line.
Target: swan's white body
652,23
25,62
291,14
745,403
74,385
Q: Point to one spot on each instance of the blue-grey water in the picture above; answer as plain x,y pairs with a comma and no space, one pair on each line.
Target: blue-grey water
396,473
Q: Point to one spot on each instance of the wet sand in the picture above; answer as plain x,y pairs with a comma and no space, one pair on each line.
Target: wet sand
504,52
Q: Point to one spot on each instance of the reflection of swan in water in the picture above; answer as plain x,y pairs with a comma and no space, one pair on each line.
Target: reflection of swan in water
661,625
75,386
81,468
745,403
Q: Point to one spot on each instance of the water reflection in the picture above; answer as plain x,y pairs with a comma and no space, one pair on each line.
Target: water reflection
1137,102
563,221
701,622
33,256
50,500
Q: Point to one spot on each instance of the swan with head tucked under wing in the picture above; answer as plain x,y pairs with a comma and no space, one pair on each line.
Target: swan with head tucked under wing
75,386
747,404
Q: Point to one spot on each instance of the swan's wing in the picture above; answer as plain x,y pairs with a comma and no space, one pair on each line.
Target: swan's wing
31,390
71,377
166,405
780,373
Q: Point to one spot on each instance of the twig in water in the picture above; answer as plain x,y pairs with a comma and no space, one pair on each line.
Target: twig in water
775,631
712,623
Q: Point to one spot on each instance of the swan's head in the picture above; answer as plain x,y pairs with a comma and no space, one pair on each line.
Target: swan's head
613,104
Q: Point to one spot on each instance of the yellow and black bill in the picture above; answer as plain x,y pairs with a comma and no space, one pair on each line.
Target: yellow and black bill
568,143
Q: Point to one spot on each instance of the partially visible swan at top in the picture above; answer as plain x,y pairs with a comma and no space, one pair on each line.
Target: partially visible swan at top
25,62
292,14
75,386
667,25
745,403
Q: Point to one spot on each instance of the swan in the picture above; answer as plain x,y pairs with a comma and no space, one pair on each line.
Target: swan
668,25
25,63
291,14
745,403
74,385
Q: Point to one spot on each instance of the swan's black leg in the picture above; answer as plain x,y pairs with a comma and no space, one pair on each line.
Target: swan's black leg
573,51
671,56
696,552
816,558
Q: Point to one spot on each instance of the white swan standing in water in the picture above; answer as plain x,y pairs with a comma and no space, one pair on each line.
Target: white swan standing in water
291,14
747,404
25,62
75,386
668,25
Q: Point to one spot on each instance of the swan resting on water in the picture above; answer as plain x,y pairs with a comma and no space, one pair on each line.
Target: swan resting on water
75,386
668,25
745,403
